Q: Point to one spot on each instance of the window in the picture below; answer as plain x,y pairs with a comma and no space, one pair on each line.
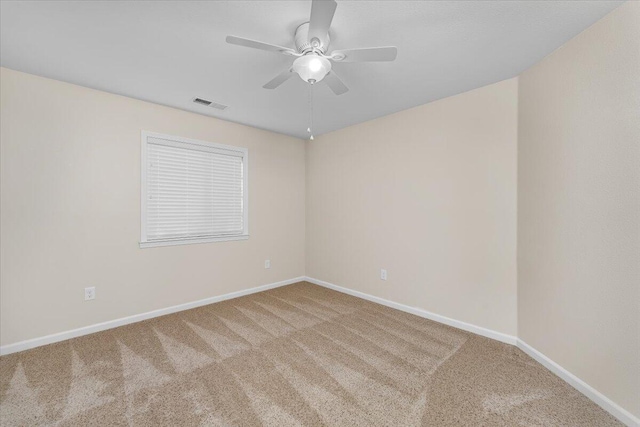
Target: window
192,191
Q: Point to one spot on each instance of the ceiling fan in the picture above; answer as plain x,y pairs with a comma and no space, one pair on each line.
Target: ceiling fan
313,63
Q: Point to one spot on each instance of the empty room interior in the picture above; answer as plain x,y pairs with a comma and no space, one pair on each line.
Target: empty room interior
320,213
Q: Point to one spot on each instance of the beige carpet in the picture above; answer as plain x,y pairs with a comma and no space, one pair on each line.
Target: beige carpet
296,355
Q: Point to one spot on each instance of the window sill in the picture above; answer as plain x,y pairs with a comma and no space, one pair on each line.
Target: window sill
159,243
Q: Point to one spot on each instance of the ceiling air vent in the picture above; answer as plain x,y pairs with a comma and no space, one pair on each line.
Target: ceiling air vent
211,104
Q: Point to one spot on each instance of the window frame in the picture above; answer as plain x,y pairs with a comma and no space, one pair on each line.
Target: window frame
144,242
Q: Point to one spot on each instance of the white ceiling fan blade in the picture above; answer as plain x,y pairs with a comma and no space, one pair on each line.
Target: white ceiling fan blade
335,84
367,54
240,41
321,16
279,79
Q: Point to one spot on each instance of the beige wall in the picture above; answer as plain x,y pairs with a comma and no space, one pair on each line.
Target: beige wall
428,194
579,206
70,218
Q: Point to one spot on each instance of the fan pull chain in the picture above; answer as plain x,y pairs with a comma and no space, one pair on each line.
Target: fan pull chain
310,128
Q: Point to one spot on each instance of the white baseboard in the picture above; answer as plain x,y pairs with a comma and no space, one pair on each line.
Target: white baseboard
479,330
600,399
604,402
86,330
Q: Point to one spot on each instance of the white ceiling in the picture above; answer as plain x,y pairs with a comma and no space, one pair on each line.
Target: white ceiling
170,52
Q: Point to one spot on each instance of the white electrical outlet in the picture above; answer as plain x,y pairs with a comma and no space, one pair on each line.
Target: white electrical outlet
89,293
383,274
267,263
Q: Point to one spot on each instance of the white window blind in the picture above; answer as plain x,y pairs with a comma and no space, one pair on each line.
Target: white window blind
192,191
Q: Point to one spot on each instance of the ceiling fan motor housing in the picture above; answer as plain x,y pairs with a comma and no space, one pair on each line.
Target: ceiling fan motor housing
304,45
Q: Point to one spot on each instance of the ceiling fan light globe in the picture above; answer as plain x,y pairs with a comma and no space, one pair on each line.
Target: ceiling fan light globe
312,68
315,65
